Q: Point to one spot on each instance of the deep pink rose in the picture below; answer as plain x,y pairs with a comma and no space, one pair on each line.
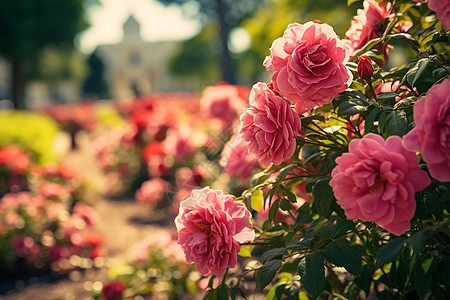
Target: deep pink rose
178,143
365,68
364,26
376,181
210,226
152,191
236,160
442,9
431,136
309,63
113,290
269,126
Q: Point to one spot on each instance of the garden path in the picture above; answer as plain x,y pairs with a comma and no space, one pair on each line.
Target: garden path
121,220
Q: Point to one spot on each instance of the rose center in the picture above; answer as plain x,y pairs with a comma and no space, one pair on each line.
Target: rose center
205,229
378,181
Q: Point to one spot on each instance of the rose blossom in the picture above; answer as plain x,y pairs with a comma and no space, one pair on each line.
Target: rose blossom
152,191
309,63
376,181
364,26
235,159
269,126
431,136
210,226
442,9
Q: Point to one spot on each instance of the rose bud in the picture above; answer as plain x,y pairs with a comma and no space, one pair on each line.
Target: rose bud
365,68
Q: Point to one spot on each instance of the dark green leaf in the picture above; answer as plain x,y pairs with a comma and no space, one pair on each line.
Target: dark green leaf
405,37
323,197
352,107
271,254
299,245
370,119
389,252
273,210
285,204
341,227
387,96
312,273
308,119
365,280
423,275
342,254
222,292
266,273
397,123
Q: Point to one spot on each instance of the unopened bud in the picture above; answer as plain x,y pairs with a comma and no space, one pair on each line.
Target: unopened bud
365,68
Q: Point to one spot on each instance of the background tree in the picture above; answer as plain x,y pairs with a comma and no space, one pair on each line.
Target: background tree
95,84
227,14
28,27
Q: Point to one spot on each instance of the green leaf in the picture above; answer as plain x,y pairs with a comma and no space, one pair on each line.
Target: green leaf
245,251
342,254
308,119
273,210
370,119
323,197
423,275
350,2
389,252
285,204
257,200
352,107
267,272
341,227
272,253
415,73
405,37
387,96
312,273
397,124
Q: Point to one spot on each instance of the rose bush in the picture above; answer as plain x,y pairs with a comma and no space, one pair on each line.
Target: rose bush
369,149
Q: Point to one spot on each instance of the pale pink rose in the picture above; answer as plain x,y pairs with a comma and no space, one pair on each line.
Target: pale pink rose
269,126
376,181
431,136
152,191
442,9
236,160
160,238
210,226
309,63
364,26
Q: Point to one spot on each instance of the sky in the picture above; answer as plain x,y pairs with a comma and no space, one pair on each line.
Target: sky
158,23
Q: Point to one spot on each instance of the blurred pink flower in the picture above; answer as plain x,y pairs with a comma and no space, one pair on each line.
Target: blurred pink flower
364,26
210,226
86,213
269,126
431,136
163,240
236,159
442,9
178,143
376,181
52,190
152,191
224,102
14,158
309,63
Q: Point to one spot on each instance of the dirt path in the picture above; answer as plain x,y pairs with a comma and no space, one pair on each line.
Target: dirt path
122,221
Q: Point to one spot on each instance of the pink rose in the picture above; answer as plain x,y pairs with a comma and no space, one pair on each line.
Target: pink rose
376,181
178,143
210,226
364,26
309,63
431,136
235,159
442,9
224,102
152,191
269,126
